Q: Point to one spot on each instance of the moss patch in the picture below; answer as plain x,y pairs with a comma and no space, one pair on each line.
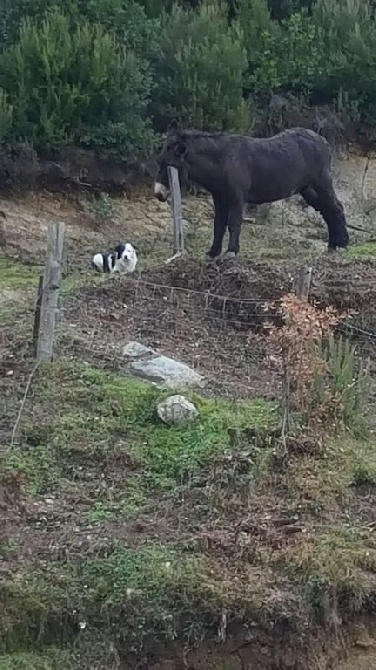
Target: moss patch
91,416
17,281
14,275
364,250
51,659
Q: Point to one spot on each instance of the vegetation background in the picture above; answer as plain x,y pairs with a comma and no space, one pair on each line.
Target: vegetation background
126,543
109,75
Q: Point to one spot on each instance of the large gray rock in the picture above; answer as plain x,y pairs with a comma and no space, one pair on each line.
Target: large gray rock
177,411
161,370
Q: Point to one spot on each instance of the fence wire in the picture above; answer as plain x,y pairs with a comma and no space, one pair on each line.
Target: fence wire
136,307
222,335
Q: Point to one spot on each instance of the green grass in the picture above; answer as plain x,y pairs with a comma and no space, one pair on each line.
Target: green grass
337,552
338,569
343,463
50,659
122,505
15,281
132,588
82,279
265,242
98,423
101,417
14,275
363,250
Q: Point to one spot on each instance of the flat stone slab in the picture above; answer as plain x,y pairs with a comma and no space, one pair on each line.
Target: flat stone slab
148,364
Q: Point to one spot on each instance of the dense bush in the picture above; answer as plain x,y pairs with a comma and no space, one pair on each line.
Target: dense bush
282,57
75,83
108,74
200,69
6,115
124,18
348,31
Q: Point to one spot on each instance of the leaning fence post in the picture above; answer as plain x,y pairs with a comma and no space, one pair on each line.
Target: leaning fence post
50,292
304,283
173,178
38,303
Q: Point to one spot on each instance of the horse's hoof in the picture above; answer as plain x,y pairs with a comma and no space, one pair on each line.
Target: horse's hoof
341,250
211,256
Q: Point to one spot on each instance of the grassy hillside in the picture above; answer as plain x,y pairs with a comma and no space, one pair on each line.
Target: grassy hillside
125,541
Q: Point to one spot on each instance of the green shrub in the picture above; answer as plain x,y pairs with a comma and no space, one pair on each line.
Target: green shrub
126,19
102,208
327,54
286,56
348,32
200,71
349,382
259,33
6,114
76,84
85,74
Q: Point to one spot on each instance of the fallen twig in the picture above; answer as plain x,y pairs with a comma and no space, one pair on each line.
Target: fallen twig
174,257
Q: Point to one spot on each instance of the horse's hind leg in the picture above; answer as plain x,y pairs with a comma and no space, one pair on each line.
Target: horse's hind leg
312,199
332,211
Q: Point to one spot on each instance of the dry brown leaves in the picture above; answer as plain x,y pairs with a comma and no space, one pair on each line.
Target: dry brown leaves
297,350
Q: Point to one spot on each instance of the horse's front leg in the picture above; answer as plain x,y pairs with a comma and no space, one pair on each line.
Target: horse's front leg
234,222
220,223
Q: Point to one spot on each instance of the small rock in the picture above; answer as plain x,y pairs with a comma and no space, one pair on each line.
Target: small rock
136,350
177,411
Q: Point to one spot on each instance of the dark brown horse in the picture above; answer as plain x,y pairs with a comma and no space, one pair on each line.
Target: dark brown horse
237,169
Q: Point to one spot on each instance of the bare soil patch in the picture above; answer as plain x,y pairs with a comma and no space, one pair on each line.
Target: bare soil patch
210,316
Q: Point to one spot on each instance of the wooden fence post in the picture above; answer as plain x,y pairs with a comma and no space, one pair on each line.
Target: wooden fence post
173,178
304,283
50,292
37,314
303,287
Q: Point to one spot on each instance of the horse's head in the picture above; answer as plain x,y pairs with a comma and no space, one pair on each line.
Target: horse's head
172,154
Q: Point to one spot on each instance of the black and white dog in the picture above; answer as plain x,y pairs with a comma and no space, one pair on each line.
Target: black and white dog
122,259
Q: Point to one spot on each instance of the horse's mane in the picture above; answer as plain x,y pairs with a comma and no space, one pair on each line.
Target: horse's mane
199,134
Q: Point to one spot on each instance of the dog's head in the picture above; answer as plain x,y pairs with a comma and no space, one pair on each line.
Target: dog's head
126,257
125,252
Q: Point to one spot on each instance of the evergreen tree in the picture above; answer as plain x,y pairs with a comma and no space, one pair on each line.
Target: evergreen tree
200,71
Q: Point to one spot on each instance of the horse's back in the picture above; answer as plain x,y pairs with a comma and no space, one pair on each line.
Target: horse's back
283,164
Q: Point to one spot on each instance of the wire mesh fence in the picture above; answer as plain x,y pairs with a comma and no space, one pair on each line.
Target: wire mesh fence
209,332
212,318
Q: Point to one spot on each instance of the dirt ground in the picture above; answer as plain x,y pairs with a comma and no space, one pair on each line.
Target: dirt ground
203,315
211,316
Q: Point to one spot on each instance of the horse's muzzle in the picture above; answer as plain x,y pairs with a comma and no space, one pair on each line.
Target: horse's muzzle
160,192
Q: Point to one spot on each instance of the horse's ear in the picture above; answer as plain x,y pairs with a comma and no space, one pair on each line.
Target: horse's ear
173,126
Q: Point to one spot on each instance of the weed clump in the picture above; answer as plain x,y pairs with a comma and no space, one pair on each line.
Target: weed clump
324,383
